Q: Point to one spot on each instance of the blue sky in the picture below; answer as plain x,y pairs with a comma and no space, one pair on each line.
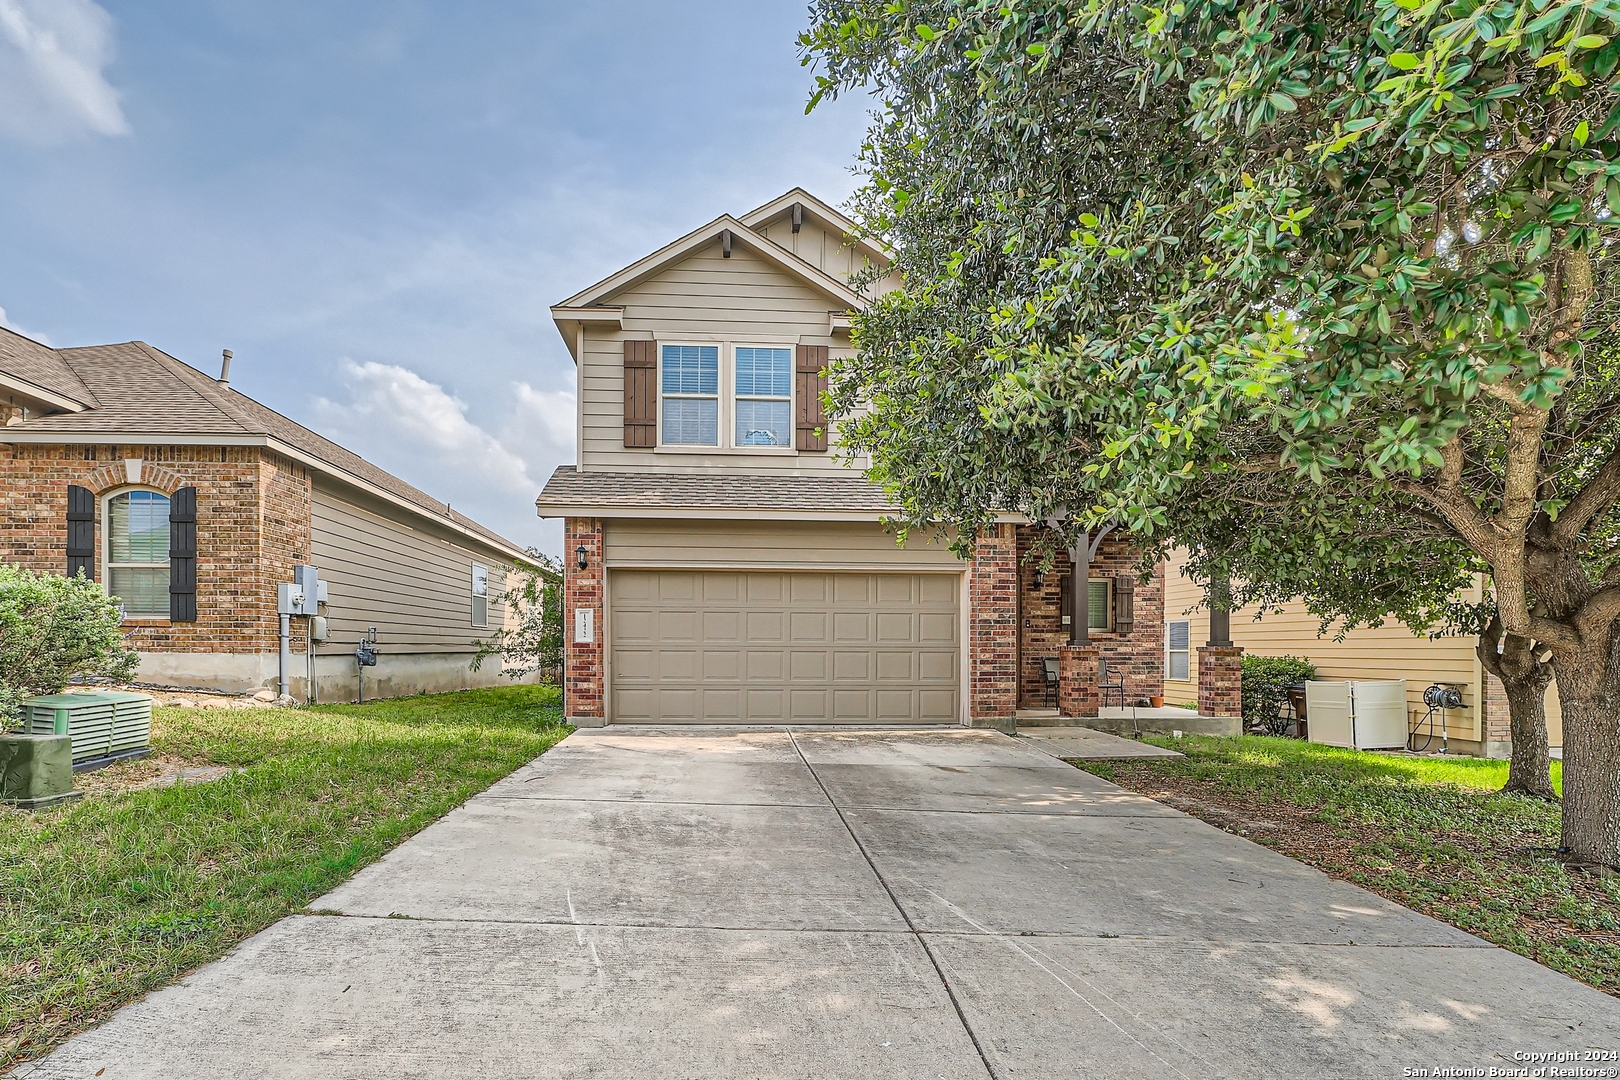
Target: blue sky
374,204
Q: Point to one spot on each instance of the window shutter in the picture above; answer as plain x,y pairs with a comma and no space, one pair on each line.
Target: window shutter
183,555
81,532
810,381
1066,599
641,394
1124,603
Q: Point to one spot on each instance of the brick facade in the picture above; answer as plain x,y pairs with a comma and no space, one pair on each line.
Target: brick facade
1139,656
993,629
254,517
1220,680
582,589
1078,691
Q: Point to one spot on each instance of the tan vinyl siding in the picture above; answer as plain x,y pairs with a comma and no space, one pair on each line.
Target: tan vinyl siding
704,299
1388,652
413,583
813,545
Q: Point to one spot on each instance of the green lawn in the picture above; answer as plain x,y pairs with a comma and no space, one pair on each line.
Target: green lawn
1434,834
120,893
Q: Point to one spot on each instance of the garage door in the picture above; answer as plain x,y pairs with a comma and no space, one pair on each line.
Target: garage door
800,648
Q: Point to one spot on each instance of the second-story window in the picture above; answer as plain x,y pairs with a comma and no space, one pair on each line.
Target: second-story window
764,397
689,382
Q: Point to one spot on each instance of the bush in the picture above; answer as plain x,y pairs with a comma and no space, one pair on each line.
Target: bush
1263,680
53,628
536,643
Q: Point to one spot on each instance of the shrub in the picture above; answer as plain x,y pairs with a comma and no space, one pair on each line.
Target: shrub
536,642
1263,680
53,628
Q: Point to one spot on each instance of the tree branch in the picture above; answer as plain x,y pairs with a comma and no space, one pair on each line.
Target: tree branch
1596,495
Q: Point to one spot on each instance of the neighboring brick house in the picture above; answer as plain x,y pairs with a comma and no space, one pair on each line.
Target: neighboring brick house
192,503
725,564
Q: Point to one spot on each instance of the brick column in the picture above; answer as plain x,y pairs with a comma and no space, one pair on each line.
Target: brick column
1078,693
1220,680
993,631
582,592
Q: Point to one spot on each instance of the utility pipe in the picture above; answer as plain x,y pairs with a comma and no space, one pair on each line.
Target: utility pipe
286,655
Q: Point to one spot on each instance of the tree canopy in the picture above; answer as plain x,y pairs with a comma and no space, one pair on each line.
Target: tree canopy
1339,270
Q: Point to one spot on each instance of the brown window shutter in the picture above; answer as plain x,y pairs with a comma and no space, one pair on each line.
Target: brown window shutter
641,394
81,532
1124,604
183,555
810,381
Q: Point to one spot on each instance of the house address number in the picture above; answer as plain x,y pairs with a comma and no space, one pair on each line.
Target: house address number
584,625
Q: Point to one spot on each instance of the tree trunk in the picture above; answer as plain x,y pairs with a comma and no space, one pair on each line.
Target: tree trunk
1589,692
1517,662
1529,772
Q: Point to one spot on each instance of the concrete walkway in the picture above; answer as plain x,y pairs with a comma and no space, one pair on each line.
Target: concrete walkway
849,905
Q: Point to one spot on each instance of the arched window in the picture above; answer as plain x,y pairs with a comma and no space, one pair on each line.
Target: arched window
137,556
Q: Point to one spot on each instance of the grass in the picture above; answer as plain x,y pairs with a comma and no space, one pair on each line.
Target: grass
123,892
1435,834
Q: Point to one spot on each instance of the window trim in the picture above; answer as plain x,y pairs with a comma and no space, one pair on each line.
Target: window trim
726,431
1108,600
1168,651
103,507
476,596
718,397
789,399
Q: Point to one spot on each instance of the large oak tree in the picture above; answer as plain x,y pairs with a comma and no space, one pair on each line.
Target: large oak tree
1166,262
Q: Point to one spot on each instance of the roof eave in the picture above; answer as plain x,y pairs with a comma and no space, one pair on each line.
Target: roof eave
570,320
824,215
25,388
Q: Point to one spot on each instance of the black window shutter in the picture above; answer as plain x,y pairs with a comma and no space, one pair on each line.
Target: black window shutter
183,555
81,532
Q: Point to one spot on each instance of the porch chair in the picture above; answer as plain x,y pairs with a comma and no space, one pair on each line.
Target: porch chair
1049,668
1107,687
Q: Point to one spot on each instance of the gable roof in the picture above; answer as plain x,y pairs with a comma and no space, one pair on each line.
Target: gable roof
593,304
823,215
136,394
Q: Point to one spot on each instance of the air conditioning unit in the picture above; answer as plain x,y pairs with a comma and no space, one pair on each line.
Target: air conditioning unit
106,724
1363,715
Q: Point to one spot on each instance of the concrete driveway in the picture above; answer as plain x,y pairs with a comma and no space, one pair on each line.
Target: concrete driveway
941,904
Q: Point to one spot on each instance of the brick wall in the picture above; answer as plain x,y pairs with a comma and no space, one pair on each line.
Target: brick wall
1139,656
1220,680
993,628
253,526
1078,691
1495,723
582,661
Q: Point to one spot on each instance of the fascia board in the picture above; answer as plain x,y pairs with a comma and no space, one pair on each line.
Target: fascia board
23,388
644,268
739,513
569,319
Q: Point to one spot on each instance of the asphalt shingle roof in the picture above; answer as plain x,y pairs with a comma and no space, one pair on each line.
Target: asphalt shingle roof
570,489
136,390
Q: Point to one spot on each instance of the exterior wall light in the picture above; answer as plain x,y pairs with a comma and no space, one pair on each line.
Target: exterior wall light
582,553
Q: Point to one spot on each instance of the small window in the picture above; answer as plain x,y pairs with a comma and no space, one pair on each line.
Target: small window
1099,606
480,595
764,397
1175,662
138,552
690,391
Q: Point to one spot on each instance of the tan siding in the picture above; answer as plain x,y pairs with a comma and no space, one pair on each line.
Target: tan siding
413,585
818,545
1389,652
742,300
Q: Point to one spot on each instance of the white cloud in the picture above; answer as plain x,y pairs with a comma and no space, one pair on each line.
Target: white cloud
421,433
14,328
52,55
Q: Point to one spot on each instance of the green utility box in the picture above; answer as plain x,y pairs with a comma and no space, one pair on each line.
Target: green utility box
36,771
104,726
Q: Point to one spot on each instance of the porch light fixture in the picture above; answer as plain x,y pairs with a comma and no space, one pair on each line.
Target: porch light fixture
582,553
1040,578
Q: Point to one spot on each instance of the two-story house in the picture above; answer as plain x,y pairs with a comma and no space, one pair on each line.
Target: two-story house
727,564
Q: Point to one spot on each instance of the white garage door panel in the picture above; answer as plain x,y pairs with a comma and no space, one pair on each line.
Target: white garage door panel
770,647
